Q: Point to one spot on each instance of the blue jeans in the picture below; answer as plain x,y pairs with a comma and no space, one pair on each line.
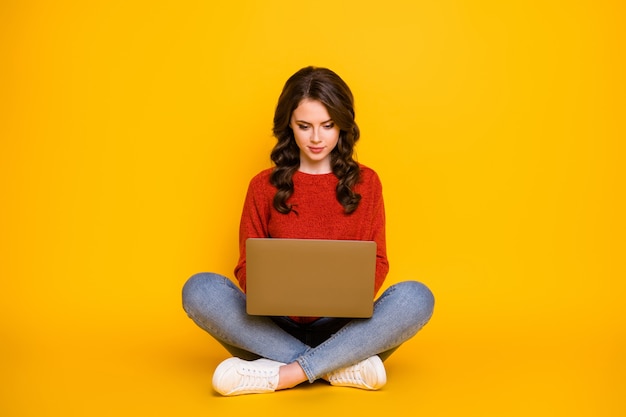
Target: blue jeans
218,306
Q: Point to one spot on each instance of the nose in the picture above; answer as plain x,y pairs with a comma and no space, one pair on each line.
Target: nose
315,136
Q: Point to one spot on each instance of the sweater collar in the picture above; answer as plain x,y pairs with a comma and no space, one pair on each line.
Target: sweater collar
305,178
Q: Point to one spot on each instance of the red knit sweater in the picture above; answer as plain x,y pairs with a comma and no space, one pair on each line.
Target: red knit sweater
315,214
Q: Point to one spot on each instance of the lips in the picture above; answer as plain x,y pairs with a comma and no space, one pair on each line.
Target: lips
316,150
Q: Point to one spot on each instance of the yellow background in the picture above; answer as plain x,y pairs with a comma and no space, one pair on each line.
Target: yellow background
129,131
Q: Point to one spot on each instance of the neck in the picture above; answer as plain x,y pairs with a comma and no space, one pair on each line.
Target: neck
322,167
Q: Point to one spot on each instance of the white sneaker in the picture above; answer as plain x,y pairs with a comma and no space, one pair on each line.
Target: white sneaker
368,374
236,376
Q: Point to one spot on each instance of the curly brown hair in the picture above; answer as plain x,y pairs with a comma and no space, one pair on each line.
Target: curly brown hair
325,86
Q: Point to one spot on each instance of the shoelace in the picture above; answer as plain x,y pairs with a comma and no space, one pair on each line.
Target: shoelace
254,378
350,375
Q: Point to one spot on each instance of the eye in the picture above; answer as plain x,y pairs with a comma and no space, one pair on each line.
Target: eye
303,127
329,126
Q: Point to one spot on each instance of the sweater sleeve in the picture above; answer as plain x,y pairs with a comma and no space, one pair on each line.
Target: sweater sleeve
254,220
378,233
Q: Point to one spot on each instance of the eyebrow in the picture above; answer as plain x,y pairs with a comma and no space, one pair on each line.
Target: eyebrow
309,123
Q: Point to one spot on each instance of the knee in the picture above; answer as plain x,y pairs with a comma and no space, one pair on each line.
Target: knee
197,289
417,298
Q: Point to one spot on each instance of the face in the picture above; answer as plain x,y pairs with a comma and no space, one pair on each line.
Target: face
316,135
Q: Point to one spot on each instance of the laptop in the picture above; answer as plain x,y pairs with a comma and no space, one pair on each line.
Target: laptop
310,278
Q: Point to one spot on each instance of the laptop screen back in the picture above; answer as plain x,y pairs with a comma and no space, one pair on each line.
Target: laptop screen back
314,278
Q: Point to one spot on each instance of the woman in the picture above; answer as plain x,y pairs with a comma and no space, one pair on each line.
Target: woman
315,191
